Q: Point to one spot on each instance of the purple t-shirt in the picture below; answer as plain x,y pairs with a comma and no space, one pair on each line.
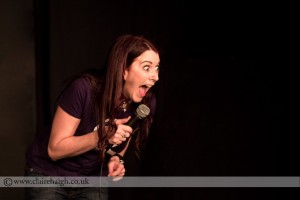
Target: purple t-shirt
77,100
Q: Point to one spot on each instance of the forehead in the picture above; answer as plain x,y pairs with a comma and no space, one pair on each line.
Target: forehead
149,56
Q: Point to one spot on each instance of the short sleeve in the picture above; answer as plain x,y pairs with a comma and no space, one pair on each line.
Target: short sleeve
73,98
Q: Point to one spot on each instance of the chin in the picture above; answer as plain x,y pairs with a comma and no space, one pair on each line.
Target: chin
137,100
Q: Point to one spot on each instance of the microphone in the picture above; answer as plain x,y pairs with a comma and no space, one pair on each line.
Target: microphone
141,112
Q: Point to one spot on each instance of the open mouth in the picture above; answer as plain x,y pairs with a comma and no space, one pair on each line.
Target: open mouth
146,86
144,89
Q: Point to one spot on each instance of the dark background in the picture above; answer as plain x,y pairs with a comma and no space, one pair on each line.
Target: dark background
220,98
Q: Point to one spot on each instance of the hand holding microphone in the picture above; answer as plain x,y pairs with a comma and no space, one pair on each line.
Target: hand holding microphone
125,126
122,133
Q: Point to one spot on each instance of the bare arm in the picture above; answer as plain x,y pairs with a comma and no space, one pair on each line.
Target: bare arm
63,143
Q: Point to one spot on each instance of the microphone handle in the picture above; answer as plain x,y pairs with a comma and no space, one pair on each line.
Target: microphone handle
132,121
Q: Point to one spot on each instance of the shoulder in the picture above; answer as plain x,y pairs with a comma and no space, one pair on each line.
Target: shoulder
77,89
77,96
82,84
90,78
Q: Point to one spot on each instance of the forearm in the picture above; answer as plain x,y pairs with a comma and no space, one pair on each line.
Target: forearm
73,146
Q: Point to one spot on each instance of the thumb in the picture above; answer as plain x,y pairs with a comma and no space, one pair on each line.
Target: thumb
111,167
123,121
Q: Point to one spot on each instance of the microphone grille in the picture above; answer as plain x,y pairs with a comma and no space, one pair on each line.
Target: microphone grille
142,111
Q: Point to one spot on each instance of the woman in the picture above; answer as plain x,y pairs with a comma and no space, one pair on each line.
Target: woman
91,118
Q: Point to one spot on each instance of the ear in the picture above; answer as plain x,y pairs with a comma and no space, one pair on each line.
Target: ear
125,74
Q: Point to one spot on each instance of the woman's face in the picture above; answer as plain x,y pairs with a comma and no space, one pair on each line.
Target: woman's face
141,76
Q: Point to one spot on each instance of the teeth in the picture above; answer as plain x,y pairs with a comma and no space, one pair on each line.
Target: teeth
147,86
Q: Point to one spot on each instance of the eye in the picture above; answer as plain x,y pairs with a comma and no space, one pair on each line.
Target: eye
147,67
157,68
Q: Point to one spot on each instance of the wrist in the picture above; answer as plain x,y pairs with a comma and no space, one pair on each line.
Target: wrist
97,147
121,159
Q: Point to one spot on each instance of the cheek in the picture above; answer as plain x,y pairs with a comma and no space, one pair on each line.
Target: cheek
129,86
133,79
130,82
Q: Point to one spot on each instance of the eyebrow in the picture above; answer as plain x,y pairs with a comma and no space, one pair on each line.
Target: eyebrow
146,61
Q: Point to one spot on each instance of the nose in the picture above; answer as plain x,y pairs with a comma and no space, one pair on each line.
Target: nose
154,76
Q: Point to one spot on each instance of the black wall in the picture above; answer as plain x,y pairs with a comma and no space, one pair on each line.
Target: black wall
220,94
17,89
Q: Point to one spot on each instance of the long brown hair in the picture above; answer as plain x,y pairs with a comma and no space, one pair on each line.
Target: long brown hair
122,54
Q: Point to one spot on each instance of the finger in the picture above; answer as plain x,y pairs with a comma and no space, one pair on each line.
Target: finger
122,173
117,178
126,129
121,134
122,121
115,172
125,134
115,168
117,140
111,166
122,137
